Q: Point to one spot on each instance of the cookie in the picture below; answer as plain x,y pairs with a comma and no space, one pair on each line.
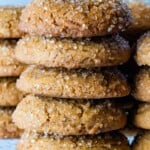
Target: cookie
68,53
68,116
62,83
75,18
142,142
7,128
9,20
9,66
141,89
113,141
142,56
140,10
142,115
9,95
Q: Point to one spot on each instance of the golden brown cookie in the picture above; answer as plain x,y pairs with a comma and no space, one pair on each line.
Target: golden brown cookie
7,128
68,53
141,89
143,50
142,116
140,10
142,142
68,117
9,95
113,141
9,66
9,20
89,84
75,18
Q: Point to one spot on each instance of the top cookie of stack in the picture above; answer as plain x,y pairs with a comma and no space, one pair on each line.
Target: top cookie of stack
75,18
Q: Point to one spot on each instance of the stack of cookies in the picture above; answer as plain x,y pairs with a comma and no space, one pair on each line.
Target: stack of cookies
70,103
142,92
140,10
10,69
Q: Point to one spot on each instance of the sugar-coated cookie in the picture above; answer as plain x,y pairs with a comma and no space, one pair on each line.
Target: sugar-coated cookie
75,18
68,116
82,83
69,53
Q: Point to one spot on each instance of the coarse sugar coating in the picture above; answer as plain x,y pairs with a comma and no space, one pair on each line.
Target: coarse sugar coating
9,94
9,66
75,18
69,53
82,83
113,141
142,116
142,56
9,20
141,90
68,116
7,128
142,142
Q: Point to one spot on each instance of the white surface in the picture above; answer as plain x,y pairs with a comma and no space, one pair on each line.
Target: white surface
8,144
11,144
14,2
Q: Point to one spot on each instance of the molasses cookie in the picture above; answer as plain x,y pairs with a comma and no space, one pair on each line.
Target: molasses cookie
142,142
142,116
68,116
82,83
9,95
142,85
140,10
143,50
9,20
69,53
9,66
75,18
7,128
113,141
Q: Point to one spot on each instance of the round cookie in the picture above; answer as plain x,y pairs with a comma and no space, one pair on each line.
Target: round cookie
142,116
62,83
9,20
142,85
142,142
9,66
68,53
9,95
113,141
143,50
140,10
7,128
75,18
68,116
